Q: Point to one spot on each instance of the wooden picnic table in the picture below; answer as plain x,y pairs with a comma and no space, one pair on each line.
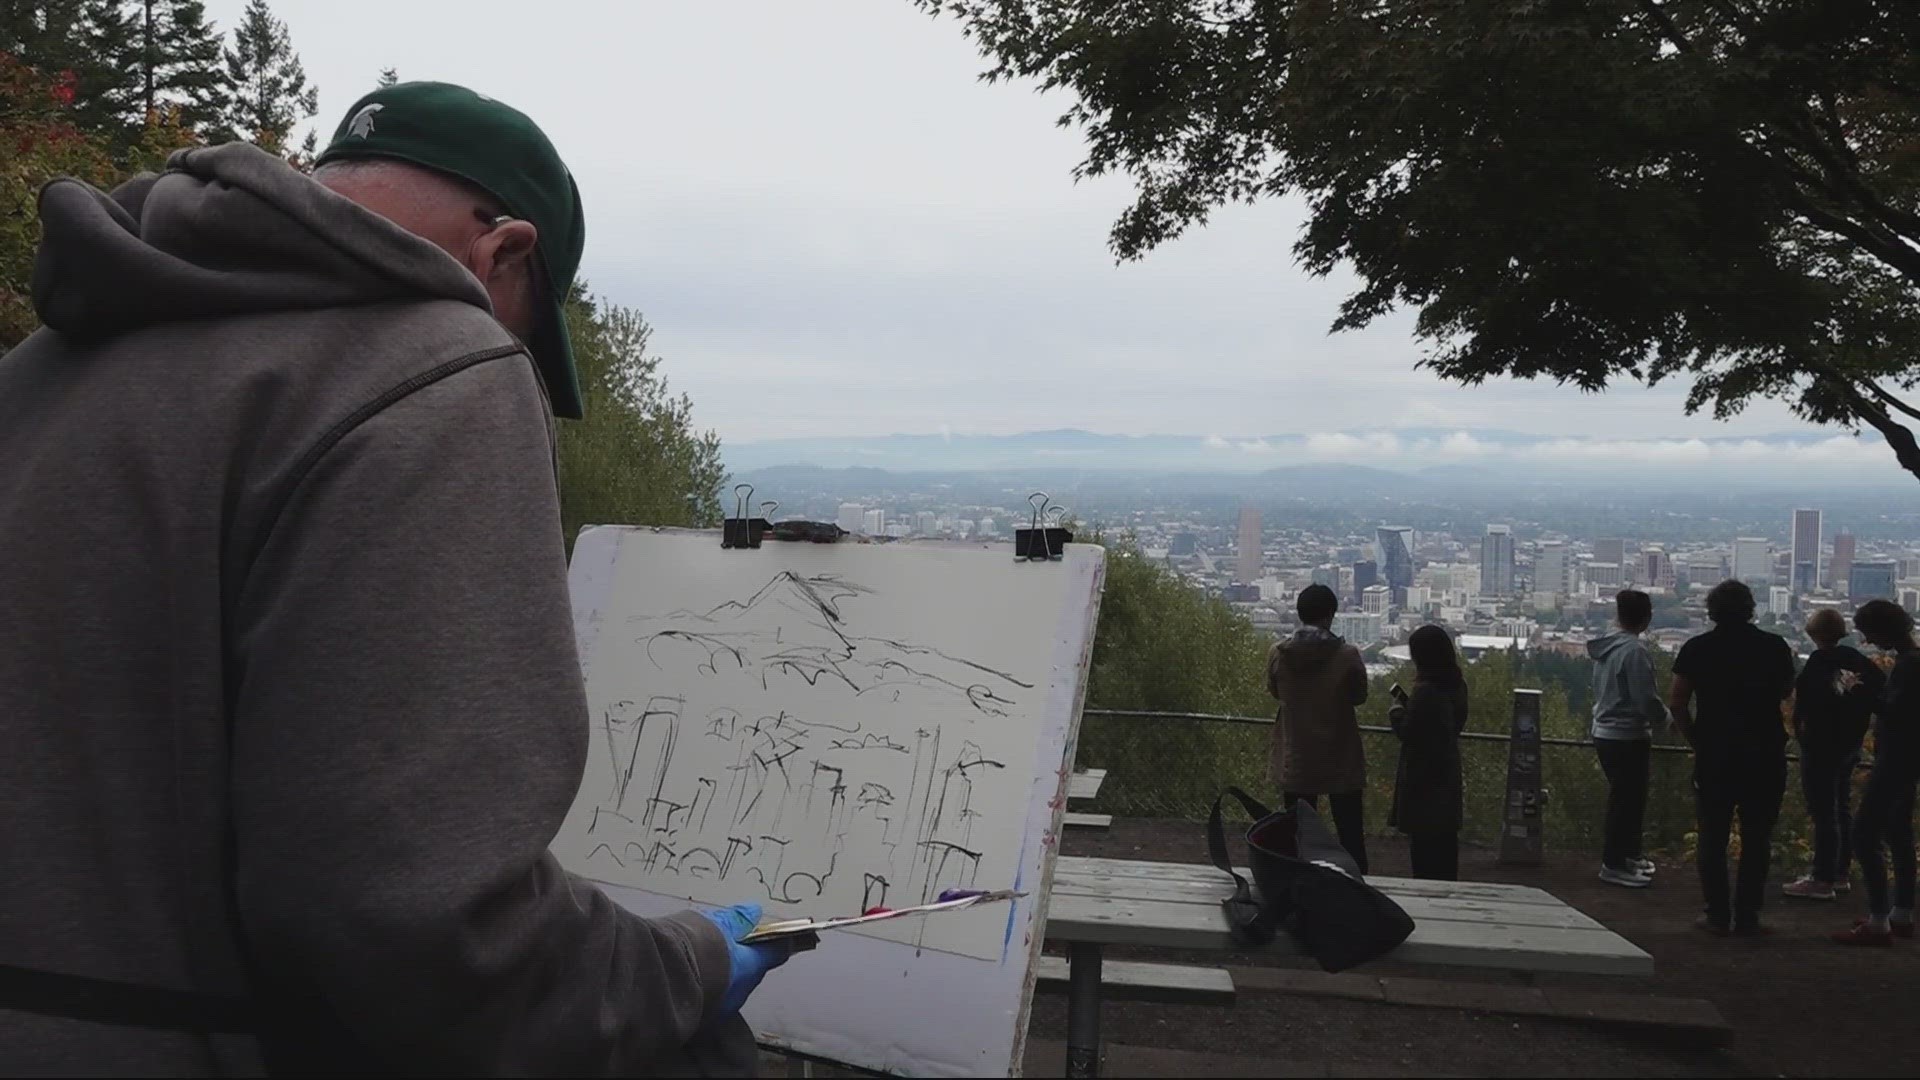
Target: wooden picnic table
1100,902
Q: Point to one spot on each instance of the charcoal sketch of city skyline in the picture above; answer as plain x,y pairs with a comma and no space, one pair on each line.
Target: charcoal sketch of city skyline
799,752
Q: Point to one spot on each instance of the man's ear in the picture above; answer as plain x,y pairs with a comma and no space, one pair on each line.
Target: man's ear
505,251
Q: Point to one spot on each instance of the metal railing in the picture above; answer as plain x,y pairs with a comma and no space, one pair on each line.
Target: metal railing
1171,765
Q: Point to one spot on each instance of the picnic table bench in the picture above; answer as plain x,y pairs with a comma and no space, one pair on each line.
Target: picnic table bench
1081,786
1100,902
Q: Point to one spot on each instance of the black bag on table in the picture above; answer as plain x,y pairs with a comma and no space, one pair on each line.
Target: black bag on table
1308,886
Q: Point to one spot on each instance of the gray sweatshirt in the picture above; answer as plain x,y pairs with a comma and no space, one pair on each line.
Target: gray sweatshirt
288,684
1626,704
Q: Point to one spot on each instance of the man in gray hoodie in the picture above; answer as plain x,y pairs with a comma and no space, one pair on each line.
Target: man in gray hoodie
1626,705
288,682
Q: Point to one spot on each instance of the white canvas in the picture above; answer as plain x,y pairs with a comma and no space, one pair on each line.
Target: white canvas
826,728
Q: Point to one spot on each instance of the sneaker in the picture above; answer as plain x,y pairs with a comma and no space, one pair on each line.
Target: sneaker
1708,924
1645,866
1808,888
1899,929
1863,933
1630,879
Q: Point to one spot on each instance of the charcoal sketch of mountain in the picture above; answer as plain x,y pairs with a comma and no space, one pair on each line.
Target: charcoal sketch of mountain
793,627
775,744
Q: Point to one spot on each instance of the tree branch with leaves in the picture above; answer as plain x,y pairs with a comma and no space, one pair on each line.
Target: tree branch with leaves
1587,191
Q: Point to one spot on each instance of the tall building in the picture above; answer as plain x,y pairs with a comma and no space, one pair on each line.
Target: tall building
1870,581
1396,558
924,522
1496,561
1550,569
852,517
1841,573
1657,568
1806,551
1358,626
875,523
1753,561
1375,600
1328,575
1611,549
1909,567
1606,577
1418,598
1248,568
1365,573
1779,600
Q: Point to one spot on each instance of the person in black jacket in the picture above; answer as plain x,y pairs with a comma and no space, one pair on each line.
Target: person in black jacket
1741,676
1886,808
1427,793
1832,702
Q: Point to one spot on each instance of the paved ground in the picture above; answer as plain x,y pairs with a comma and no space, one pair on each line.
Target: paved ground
1799,1006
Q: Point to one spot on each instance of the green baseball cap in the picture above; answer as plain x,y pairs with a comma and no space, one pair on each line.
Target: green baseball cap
500,150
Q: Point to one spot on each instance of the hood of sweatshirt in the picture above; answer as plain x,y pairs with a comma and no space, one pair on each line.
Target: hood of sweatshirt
1310,645
1626,701
1601,647
223,231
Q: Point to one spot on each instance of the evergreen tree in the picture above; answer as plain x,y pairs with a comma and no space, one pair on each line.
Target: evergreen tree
84,46
178,62
636,458
269,88
388,77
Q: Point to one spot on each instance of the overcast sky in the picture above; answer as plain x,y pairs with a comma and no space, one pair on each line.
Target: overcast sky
834,227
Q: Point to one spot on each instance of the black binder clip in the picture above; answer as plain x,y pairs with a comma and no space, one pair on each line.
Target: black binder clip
1044,539
741,531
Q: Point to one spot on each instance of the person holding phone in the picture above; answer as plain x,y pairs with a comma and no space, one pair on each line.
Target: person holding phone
1427,790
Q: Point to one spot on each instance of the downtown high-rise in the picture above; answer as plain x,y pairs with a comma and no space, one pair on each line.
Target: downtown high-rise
1806,551
1496,561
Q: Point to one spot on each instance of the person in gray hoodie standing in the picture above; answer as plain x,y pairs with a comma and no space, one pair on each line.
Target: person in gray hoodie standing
1626,706
288,680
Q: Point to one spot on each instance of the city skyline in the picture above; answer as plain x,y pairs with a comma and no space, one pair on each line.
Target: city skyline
1493,584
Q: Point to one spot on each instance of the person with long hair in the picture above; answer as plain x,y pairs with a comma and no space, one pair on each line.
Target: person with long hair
1427,790
1885,820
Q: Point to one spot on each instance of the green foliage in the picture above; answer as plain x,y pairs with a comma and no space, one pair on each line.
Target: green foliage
270,94
1163,645
83,45
635,459
1582,190
389,77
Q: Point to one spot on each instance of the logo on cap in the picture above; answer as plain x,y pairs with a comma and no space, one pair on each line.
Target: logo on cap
362,124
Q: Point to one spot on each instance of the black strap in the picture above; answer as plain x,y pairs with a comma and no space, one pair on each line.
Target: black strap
77,997
1243,912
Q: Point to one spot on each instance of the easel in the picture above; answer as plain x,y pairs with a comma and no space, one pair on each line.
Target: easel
802,631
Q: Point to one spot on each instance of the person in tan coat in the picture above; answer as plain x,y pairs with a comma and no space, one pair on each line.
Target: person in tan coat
1319,679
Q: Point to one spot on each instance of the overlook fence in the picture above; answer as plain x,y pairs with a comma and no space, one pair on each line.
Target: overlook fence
1172,765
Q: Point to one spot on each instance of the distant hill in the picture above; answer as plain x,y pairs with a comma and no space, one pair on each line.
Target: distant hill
1401,463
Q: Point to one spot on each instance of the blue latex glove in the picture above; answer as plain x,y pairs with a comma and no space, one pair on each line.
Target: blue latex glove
746,964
